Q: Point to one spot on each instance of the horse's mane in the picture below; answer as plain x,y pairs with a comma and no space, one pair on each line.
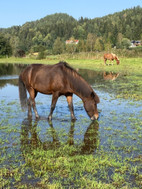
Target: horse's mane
76,80
69,68
114,55
82,88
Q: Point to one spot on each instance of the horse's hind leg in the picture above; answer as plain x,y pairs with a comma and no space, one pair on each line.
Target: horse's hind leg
70,104
29,108
32,103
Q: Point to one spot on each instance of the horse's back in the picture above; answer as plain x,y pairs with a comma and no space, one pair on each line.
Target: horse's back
108,56
47,78
31,68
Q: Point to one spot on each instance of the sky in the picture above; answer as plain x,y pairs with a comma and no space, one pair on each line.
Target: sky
15,12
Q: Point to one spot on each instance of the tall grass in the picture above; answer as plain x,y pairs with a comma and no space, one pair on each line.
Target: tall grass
121,53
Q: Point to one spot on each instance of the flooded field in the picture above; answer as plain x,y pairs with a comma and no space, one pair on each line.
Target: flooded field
62,154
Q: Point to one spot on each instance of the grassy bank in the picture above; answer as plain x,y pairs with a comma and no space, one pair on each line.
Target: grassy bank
94,63
130,70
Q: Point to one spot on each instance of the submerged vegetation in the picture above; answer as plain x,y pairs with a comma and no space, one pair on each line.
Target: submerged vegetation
59,154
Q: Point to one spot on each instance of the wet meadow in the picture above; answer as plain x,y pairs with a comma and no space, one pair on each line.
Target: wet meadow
102,154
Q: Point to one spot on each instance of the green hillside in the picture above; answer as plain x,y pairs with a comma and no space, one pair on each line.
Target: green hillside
50,33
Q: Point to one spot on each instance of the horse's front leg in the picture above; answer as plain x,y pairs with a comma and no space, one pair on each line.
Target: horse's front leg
53,104
70,104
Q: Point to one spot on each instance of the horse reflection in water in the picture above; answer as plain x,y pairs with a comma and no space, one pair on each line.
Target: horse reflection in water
90,141
110,76
56,80
31,140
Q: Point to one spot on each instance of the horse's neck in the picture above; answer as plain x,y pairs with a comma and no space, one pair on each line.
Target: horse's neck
116,58
81,87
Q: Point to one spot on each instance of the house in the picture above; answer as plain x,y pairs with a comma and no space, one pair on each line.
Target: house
72,41
135,43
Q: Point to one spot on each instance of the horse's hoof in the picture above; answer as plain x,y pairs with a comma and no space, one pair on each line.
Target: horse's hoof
49,118
37,117
73,119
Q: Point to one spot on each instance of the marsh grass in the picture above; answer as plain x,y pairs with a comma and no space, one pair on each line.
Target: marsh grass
28,161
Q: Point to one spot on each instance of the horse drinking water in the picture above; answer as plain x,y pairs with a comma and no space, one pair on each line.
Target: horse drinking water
59,79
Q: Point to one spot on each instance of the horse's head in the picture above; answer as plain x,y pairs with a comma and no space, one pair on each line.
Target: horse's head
118,61
90,105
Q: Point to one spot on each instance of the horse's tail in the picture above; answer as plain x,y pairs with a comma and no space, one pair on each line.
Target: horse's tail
22,94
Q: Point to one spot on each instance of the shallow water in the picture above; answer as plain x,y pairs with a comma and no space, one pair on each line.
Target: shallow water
118,130
115,114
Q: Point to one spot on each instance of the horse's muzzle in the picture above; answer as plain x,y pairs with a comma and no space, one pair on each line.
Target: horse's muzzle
95,117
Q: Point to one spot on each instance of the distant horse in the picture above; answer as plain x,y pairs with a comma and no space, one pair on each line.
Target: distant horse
59,79
111,57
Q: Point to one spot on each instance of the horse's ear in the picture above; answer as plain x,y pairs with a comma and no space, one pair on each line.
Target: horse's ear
92,94
95,97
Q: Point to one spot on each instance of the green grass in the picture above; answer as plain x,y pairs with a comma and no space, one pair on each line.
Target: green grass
131,65
130,70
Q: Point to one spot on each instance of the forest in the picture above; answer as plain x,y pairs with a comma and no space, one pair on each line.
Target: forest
49,34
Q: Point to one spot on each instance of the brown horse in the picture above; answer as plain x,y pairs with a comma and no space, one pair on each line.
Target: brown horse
59,79
111,57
